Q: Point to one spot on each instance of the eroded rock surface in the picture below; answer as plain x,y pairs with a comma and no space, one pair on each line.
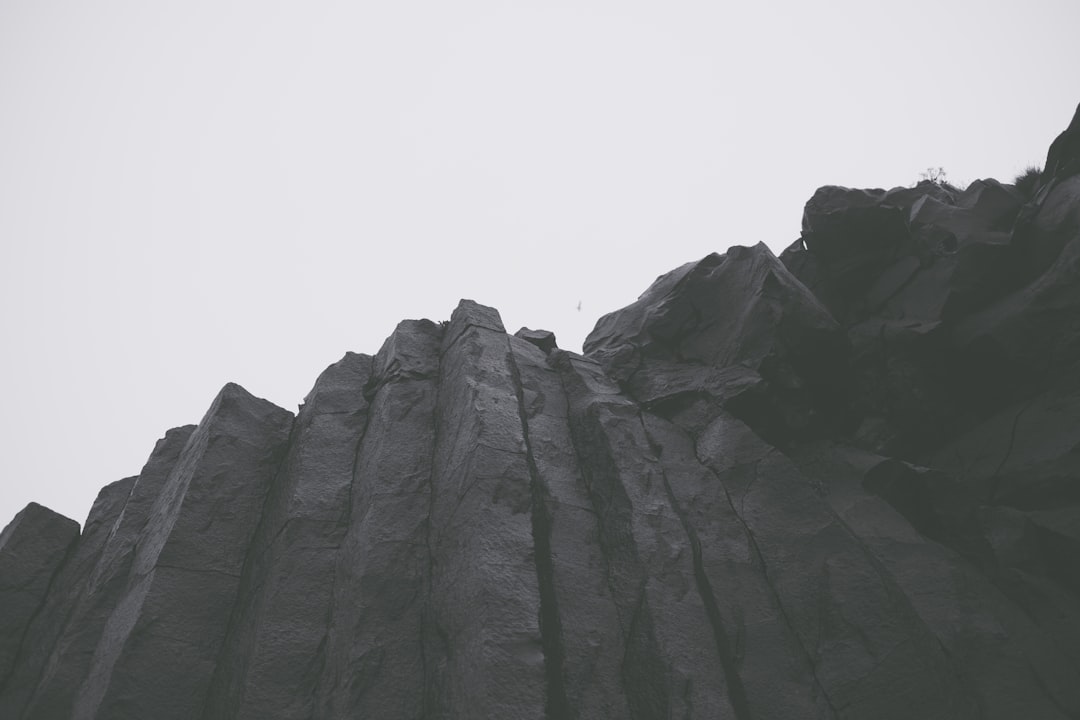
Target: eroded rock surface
838,483
33,549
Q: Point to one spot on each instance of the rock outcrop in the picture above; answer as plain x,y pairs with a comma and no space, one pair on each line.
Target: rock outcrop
837,483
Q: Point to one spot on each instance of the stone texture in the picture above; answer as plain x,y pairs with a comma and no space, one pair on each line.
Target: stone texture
172,616
72,626
485,602
53,625
735,330
543,339
582,640
672,665
275,651
381,649
837,484
33,548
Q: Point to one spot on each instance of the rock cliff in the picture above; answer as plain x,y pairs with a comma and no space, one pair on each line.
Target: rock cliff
839,483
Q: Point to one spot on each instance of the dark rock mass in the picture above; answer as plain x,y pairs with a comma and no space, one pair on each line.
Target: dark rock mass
839,483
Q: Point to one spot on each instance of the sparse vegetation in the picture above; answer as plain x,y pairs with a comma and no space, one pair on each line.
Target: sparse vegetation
1028,181
935,175
939,177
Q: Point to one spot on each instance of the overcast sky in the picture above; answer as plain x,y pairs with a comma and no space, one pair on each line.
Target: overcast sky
199,192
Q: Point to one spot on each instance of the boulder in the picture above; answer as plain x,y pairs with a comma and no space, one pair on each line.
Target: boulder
732,330
852,235
543,339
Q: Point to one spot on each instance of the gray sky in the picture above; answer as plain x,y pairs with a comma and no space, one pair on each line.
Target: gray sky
196,192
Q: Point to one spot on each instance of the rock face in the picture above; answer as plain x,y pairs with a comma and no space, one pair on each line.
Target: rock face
33,548
837,483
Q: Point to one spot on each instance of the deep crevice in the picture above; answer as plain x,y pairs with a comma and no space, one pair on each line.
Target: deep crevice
430,699
550,622
759,560
728,660
643,672
344,519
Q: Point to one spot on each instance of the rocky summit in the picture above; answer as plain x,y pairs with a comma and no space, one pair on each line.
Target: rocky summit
839,483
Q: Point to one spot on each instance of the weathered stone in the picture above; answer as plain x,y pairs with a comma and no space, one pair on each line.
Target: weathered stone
382,651
708,330
838,486
672,664
763,653
988,265
33,548
272,660
1018,339
856,631
998,663
91,599
172,617
1024,455
485,601
583,645
852,235
52,623
543,339
993,204
985,205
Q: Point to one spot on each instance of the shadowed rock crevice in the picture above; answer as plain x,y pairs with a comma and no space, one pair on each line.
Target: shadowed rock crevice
724,646
757,561
550,623
643,676
434,643
374,644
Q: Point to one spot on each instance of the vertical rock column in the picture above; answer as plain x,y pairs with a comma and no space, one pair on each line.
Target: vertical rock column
753,635
671,667
46,629
32,548
162,639
377,662
275,653
65,642
485,601
582,642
